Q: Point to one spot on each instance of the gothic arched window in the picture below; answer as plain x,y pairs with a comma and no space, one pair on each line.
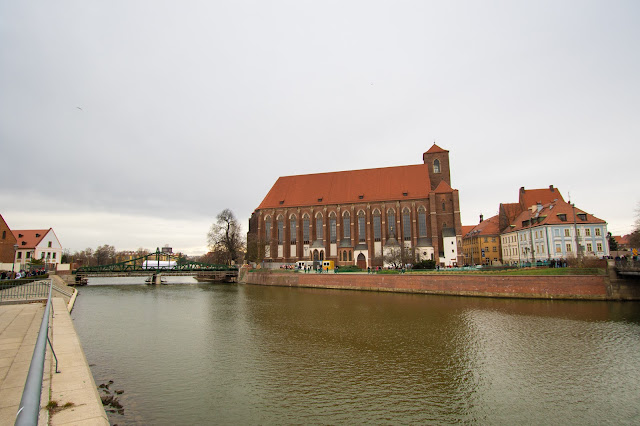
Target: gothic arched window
293,229
280,224
406,224
362,237
346,225
436,166
391,222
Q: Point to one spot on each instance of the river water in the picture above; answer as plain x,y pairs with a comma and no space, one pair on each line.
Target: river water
241,354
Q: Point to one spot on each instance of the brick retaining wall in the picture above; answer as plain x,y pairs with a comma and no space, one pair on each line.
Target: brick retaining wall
589,287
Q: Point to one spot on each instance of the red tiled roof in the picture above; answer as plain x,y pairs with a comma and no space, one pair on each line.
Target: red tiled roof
531,197
443,188
466,229
353,186
486,227
550,215
622,240
435,148
28,239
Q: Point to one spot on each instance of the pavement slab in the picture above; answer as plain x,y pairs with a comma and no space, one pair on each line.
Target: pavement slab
19,327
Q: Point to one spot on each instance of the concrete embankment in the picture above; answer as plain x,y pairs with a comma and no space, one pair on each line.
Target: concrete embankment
575,287
72,387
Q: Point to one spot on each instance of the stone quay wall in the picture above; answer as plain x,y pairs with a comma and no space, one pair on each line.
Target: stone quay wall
578,287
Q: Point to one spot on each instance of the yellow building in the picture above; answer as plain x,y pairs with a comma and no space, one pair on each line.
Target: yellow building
481,243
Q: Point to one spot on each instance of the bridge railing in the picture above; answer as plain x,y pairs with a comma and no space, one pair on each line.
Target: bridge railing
628,264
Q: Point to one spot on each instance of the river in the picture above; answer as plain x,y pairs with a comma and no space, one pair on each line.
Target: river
242,354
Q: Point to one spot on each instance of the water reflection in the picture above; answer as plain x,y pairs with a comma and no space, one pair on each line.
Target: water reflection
198,354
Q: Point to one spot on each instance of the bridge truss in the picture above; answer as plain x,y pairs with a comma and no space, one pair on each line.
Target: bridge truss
152,263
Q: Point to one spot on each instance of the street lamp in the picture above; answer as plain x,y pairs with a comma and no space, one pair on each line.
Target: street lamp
13,265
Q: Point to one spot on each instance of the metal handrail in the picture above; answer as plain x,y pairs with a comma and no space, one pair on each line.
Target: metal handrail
30,402
23,290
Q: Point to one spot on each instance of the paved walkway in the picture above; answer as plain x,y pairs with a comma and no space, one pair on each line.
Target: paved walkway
19,326
74,384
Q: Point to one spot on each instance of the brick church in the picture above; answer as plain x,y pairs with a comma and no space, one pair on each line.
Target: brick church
362,217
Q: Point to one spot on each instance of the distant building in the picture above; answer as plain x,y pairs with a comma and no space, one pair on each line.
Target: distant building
7,242
549,229
39,244
624,242
357,217
481,243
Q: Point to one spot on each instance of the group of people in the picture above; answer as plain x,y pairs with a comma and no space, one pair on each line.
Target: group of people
10,275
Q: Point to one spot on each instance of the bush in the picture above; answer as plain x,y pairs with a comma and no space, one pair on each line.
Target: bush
348,268
425,264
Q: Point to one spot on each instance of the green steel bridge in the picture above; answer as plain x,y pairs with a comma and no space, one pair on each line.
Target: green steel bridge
161,264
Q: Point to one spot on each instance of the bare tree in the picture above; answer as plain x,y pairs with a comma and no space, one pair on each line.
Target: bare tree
105,254
225,236
634,238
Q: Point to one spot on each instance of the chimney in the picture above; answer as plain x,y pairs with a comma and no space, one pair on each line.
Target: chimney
481,218
551,188
522,189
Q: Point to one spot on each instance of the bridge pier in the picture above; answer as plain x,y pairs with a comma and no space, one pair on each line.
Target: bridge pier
157,279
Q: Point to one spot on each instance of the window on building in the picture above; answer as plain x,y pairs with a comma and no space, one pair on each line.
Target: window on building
28,255
20,255
422,222
4,235
319,235
305,229
391,222
377,226
293,230
567,232
54,255
280,225
558,248
49,244
562,217
332,228
582,216
436,166
444,207
346,225
361,227
587,232
406,225
589,247
267,229
599,246
578,232
556,232
597,232
568,247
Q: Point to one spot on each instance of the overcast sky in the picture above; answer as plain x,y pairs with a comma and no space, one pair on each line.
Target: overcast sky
134,123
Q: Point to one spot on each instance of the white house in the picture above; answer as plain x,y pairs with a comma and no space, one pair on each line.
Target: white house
40,244
556,230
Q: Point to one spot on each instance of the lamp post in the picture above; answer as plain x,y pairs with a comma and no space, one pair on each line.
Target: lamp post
13,265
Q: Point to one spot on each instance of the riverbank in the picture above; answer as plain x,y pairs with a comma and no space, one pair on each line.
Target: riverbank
69,395
569,287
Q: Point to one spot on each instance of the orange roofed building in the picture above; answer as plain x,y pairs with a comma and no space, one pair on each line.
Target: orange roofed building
38,244
362,217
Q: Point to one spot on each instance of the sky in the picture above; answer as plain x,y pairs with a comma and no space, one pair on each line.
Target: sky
134,123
